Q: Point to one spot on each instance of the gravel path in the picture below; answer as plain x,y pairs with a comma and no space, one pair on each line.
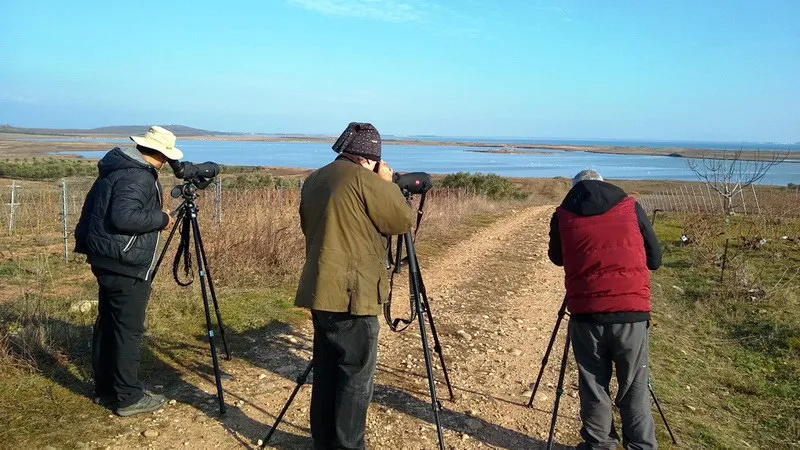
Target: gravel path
494,298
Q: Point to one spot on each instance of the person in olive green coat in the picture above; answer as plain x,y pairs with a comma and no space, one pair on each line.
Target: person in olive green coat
347,209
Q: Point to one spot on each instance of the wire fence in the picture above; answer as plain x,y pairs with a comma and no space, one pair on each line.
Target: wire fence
49,211
41,208
702,199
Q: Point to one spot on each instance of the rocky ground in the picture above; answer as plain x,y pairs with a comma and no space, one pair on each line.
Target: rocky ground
494,299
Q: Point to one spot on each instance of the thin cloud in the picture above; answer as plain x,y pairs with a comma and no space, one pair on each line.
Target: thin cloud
556,9
380,10
8,97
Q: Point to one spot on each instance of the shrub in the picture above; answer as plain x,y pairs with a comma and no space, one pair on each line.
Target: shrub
46,168
490,185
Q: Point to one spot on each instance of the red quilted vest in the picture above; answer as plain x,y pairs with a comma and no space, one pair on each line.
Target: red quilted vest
604,261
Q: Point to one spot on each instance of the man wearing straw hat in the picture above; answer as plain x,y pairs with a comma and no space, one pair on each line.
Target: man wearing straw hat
118,232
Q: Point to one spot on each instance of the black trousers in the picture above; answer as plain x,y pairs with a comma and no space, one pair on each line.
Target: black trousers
345,354
117,334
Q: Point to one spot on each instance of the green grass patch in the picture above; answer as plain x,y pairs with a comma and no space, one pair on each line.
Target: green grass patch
45,347
46,168
9,268
725,354
38,411
53,168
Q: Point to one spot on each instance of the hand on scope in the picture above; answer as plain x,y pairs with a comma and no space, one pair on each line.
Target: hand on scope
384,171
170,221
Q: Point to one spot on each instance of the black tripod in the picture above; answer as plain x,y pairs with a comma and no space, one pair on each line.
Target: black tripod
561,373
418,296
186,219
419,305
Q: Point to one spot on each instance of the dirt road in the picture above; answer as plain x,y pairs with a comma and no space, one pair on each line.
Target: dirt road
494,298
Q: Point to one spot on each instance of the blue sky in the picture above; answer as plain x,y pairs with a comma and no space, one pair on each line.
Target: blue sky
629,69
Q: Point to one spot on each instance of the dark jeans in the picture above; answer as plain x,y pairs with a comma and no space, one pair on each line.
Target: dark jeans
597,346
117,334
345,354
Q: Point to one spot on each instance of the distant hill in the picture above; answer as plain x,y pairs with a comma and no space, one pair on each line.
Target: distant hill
117,130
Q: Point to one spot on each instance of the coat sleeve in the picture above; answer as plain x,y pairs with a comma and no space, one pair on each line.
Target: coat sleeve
386,206
554,250
82,227
300,211
651,247
127,211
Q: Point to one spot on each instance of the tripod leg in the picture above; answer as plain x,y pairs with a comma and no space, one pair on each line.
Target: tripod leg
209,326
663,417
437,346
415,290
213,295
178,222
561,313
301,380
559,391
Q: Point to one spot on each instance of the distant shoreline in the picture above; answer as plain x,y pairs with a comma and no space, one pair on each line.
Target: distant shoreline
18,144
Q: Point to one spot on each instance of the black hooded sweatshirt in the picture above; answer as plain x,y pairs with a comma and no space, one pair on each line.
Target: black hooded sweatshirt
591,198
121,216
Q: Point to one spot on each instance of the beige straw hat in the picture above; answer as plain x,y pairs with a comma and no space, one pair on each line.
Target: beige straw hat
160,140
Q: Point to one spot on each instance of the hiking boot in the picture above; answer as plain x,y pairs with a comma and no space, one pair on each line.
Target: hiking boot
148,403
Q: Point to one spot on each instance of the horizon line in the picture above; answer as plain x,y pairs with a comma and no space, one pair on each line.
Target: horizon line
442,136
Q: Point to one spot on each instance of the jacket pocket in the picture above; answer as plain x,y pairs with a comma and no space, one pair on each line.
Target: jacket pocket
130,243
352,284
383,287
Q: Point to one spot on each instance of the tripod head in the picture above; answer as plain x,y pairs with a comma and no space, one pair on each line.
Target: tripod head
184,215
188,189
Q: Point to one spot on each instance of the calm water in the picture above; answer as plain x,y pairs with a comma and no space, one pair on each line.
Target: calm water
447,159
795,147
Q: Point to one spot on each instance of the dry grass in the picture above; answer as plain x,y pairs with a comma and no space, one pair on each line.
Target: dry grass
46,305
258,238
256,248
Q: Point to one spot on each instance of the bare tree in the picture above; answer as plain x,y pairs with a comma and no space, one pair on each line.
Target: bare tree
728,172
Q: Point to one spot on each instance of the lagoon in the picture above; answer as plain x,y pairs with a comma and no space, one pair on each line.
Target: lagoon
545,163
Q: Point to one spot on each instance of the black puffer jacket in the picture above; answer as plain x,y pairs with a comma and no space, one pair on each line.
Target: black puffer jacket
121,217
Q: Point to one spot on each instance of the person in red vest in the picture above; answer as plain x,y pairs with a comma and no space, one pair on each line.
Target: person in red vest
605,243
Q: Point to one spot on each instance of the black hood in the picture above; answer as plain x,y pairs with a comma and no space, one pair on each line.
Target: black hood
117,159
591,197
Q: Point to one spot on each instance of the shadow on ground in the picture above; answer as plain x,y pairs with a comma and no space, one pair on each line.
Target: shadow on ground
287,355
166,364
65,359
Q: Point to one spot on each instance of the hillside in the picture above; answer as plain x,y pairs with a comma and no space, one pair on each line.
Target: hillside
116,130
